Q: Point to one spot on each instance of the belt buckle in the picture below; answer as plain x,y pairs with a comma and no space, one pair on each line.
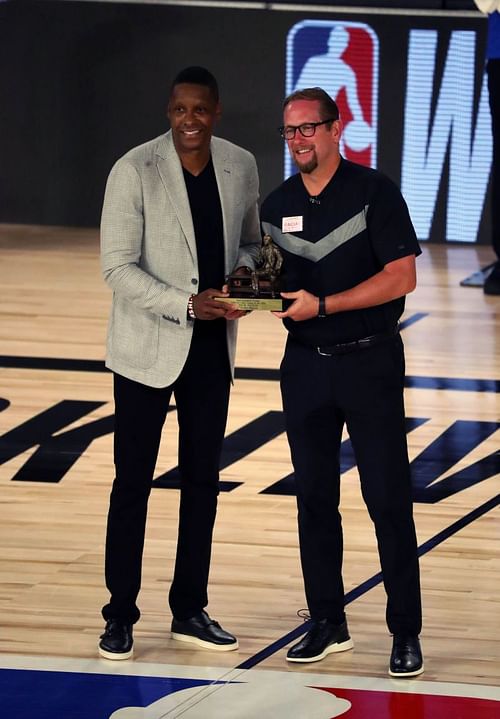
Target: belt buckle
323,354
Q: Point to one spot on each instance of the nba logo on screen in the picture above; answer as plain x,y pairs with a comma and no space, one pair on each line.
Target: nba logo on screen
342,58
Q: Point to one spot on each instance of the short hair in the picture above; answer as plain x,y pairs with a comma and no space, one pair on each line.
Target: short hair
327,107
196,75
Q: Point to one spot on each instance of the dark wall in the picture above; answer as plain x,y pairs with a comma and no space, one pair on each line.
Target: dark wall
82,82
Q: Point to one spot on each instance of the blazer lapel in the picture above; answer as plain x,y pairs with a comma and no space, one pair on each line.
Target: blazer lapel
170,169
223,168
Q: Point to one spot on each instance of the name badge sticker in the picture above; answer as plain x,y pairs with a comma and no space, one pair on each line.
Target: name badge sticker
292,224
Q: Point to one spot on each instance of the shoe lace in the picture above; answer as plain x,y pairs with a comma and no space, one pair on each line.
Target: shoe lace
107,629
303,614
112,626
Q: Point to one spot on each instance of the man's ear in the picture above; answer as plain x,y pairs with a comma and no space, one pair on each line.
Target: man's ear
337,128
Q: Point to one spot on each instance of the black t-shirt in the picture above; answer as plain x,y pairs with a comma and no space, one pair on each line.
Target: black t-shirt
206,212
358,224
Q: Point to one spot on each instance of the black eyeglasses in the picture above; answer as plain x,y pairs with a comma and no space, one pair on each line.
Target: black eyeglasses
307,129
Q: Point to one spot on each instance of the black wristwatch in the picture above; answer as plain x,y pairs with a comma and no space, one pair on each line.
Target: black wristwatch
322,307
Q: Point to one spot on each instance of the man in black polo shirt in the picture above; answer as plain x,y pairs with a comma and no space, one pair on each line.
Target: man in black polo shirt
349,260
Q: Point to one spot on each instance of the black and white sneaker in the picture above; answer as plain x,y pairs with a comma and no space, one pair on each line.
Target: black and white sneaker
406,656
204,632
116,642
322,639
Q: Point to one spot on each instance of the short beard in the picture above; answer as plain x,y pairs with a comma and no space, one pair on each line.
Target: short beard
309,166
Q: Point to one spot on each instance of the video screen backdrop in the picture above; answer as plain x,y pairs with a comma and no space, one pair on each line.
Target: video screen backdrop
82,82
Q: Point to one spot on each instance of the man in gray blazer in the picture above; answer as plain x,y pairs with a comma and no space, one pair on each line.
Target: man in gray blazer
180,213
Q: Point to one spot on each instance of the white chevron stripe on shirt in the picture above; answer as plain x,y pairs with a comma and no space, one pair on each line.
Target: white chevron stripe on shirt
316,251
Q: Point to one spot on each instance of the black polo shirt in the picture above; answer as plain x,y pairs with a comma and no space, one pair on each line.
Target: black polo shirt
358,224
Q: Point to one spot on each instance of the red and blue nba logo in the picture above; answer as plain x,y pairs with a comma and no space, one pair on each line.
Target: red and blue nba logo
342,58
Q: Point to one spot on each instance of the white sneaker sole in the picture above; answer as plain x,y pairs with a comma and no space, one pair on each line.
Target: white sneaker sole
115,656
405,675
331,649
204,644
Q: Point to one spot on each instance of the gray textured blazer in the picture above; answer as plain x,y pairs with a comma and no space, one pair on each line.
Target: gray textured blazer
148,253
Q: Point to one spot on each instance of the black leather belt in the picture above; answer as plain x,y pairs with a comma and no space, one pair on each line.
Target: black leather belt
345,347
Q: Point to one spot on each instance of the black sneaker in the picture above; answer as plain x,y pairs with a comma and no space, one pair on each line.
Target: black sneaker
204,632
322,639
116,641
406,656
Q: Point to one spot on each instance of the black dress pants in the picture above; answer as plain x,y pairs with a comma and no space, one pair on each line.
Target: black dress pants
201,395
363,389
493,69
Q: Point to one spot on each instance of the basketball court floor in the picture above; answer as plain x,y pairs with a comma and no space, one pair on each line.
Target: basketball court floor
56,423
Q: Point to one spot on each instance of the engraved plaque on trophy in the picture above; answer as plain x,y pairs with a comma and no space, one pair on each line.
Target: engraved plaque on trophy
258,289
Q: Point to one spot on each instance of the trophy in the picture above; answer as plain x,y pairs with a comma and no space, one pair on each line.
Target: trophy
258,289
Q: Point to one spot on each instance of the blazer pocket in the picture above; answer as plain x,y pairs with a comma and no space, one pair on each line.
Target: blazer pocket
134,335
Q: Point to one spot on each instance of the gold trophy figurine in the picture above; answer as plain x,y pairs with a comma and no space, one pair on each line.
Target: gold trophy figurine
258,289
